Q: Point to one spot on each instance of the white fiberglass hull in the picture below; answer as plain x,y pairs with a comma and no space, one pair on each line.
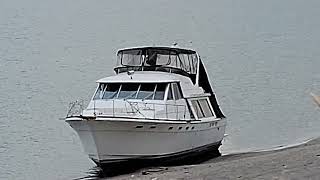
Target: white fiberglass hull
109,139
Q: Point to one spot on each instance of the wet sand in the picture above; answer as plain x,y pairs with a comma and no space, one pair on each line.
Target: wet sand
298,162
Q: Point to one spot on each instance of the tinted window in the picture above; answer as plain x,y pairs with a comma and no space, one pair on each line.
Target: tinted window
131,91
176,90
99,92
111,91
197,108
128,91
159,95
146,91
170,96
205,107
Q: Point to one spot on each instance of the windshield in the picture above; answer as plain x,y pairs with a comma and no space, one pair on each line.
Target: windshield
152,91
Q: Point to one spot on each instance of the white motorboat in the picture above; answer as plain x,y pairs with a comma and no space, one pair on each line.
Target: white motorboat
158,106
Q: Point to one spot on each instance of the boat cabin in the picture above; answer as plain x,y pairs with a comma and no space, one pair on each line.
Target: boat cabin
159,91
159,99
165,99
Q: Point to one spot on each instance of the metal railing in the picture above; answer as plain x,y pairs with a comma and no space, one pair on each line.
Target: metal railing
133,109
75,108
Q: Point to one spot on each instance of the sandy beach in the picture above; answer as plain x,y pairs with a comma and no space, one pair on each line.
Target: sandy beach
298,162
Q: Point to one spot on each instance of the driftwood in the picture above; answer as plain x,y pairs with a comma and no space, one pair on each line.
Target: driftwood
316,99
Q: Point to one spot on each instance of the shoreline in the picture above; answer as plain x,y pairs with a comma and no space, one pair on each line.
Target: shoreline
292,162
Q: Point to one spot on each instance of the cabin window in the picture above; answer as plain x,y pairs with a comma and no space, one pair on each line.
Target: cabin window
128,91
146,91
170,96
111,91
190,63
99,92
197,108
131,91
202,108
176,91
194,64
160,90
205,107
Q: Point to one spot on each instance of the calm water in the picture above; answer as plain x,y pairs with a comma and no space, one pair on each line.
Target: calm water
263,59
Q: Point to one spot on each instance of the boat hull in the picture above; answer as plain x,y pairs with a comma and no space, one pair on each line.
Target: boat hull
109,141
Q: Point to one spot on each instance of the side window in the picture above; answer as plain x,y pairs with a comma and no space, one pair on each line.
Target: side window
205,107
202,108
170,96
176,91
197,108
159,95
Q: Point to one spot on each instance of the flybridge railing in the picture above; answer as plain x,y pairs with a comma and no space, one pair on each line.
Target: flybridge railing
131,109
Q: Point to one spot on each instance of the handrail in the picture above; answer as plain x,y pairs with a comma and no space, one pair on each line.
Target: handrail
75,107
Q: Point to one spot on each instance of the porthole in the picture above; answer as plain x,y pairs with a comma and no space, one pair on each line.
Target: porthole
170,128
138,127
192,127
152,127
187,128
180,128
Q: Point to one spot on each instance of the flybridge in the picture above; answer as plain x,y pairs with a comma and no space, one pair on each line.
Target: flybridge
166,59
175,60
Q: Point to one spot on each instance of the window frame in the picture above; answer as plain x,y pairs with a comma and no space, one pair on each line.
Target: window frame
168,89
197,101
156,86
177,85
141,59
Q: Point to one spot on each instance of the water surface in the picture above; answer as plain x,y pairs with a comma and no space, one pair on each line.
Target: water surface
263,59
